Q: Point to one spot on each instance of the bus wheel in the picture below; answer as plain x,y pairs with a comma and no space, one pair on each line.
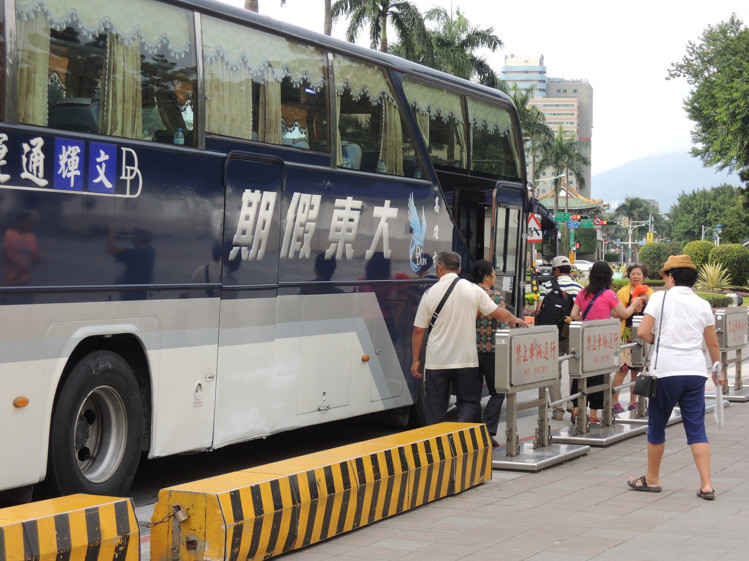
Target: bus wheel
97,428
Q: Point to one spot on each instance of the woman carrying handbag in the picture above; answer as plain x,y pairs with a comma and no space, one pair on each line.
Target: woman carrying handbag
684,320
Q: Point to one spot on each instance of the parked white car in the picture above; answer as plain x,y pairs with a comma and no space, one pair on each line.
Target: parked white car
583,266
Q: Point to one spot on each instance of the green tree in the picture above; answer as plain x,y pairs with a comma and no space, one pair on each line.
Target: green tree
404,16
563,156
455,42
654,256
709,207
717,68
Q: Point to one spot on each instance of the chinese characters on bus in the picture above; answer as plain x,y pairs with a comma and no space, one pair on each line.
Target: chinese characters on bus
69,165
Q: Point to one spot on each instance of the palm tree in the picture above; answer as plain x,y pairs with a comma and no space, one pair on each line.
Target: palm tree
403,15
537,135
253,5
563,156
327,19
455,41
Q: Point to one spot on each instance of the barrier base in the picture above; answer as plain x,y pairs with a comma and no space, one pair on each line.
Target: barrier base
598,435
739,396
629,418
536,459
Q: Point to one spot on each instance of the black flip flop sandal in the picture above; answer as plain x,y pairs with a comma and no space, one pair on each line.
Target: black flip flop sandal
707,496
644,487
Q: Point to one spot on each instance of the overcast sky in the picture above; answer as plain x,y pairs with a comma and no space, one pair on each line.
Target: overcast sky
623,49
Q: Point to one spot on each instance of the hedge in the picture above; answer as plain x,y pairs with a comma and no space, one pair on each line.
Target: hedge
716,300
654,255
699,251
612,257
735,258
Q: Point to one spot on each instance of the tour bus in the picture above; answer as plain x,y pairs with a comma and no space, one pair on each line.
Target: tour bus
217,227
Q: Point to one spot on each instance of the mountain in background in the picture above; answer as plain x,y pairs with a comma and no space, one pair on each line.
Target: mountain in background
662,178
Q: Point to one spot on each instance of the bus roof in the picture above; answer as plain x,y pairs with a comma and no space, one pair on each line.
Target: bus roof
216,8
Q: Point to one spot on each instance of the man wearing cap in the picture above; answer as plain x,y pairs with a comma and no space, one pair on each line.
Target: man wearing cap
451,354
560,270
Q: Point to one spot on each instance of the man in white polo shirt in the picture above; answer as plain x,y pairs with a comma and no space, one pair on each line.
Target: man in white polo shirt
451,354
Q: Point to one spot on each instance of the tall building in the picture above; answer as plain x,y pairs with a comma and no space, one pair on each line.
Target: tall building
525,73
565,102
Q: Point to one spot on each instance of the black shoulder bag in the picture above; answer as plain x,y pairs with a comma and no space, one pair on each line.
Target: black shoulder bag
646,384
590,304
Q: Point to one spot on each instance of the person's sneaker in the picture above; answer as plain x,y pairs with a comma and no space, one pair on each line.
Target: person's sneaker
558,416
632,407
618,408
494,442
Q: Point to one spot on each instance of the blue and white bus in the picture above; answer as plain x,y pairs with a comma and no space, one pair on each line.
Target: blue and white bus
217,227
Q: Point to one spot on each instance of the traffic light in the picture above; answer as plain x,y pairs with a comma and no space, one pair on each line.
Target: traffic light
534,286
577,245
575,217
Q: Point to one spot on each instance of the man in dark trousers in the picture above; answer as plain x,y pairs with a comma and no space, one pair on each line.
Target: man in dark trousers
451,355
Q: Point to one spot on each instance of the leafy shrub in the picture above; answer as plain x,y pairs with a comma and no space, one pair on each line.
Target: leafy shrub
655,283
619,283
735,258
698,251
530,299
612,257
716,300
713,276
654,255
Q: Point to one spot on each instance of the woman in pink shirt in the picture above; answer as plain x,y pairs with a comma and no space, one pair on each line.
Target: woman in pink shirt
598,301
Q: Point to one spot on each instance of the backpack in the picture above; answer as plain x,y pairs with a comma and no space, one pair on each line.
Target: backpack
556,306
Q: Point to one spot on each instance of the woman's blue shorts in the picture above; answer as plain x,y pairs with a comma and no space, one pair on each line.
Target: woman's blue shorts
689,393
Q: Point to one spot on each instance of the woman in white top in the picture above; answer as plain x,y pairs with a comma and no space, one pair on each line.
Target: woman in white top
682,320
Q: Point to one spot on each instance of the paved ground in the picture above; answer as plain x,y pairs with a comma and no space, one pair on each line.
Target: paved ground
579,510
575,511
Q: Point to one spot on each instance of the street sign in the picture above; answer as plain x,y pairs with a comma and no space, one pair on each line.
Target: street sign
535,234
599,222
649,237
586,223
573,224
562,216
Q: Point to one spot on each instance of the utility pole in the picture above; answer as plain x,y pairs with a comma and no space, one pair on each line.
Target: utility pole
631,226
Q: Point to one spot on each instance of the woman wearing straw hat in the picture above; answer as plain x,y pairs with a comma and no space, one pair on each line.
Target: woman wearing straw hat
682,320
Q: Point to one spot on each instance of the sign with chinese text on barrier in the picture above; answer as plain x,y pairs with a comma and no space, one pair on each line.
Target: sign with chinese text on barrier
526,358
596,346
731,325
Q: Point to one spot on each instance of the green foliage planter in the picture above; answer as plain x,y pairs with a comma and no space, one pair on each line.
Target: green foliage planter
717,300
654,255
735,258
699,251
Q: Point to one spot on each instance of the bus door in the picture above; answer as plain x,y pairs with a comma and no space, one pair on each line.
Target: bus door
249,279
507,244
473,216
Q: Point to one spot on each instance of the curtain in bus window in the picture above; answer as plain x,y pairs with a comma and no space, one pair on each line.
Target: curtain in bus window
439,114
102,55
122,96
367,86
235,58
493,147
270,109
33,51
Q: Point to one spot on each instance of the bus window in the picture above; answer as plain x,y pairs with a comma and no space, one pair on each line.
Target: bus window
263,87
371,133
439,114
493,148
118,68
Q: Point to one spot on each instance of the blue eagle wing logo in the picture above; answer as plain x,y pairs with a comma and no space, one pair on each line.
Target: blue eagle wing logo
419,228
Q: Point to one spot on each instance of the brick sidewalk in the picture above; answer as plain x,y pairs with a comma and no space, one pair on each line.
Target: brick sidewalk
579,510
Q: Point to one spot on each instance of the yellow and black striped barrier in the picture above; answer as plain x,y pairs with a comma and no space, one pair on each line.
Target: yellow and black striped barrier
73,528
272,509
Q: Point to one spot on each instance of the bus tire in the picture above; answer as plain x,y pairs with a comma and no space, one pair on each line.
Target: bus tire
97,428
